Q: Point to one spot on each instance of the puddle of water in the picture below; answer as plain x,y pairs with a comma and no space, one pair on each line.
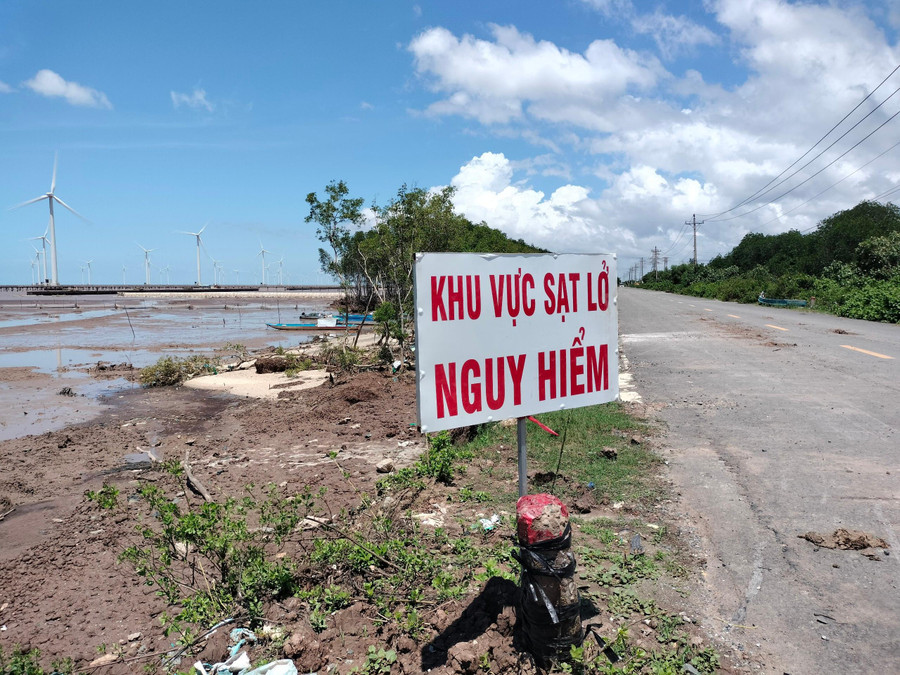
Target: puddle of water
43,316
60,362
60,344
144,459
145,328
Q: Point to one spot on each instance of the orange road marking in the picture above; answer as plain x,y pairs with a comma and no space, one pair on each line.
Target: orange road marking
776,327
864,351
734,316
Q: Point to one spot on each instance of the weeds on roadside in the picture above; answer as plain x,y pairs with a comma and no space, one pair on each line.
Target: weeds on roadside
172,370
20,662
209,562
378,662
340,356
106,497
441,461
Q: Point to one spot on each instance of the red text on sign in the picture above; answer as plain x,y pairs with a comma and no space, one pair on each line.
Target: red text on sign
478,384
452,298
572,372
558,292
515,299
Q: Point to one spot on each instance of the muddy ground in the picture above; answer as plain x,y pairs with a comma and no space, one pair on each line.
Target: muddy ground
64,590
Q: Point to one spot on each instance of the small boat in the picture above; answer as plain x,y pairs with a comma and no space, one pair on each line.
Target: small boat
316,327
777,302
356,318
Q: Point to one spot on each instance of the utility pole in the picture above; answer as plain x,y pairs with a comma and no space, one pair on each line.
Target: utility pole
642,269
655,259
693,221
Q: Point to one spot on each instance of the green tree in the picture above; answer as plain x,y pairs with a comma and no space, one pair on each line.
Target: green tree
839,235
332,218
879,257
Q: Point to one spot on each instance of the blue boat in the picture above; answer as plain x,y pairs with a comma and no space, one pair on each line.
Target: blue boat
777,302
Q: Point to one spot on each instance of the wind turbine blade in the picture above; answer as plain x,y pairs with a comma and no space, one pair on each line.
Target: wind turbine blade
30,201
203,228
193,234
71,209
53,181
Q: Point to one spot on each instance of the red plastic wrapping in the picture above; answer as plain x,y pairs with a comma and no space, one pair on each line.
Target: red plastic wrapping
539,518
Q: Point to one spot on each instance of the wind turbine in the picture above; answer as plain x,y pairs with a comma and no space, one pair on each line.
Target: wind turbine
51,197
146,263
262,252
88,263
33,264
215,271
37,259
197,234
281,272
166,270
237,276
123,275
44,241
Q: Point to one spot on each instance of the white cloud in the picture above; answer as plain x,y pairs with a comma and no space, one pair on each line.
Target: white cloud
661,147
5,88
494,81
563,222
196,100
673,34
50,84
365,105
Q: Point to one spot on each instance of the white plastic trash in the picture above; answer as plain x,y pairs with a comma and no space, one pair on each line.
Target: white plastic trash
235,664
280,667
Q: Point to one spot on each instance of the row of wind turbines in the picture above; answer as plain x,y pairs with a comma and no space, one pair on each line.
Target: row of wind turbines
49,238
218,270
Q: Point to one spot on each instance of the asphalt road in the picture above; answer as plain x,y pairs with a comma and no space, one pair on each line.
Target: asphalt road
780,422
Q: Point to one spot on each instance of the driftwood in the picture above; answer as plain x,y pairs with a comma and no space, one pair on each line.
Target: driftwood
193,482
6,513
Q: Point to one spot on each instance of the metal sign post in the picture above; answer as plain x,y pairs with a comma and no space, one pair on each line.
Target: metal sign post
523,456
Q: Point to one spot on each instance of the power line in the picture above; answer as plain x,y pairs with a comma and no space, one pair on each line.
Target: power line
835,160
860,168
855,108
677,239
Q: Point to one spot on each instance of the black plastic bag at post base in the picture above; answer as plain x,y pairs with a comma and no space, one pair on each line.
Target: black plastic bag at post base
548,627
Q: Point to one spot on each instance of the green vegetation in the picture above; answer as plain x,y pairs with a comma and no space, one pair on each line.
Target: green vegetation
171,370
232,563
26,662
105,498
20,662
850,264
378,662
375,265
585,432
622,578
236,557
441,461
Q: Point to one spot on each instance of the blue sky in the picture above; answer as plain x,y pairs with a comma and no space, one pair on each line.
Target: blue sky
582,125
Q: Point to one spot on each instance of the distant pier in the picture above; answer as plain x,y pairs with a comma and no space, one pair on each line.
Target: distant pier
115,289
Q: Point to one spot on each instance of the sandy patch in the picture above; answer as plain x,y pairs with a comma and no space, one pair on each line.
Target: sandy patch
248,383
